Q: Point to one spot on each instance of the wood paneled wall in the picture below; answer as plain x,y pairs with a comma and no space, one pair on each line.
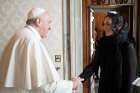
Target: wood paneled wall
86,39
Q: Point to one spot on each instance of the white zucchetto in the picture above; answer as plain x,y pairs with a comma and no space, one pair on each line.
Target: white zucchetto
35,12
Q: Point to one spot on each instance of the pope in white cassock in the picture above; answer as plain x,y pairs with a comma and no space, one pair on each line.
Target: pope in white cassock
25,65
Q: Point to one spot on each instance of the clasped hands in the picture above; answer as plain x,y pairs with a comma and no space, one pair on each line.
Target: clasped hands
76,82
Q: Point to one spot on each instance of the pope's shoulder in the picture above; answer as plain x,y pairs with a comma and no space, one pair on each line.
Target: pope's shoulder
24,34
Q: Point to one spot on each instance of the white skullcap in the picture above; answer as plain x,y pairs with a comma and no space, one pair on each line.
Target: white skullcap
35,12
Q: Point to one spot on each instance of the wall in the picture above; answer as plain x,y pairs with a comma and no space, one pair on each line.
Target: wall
76,38
13,17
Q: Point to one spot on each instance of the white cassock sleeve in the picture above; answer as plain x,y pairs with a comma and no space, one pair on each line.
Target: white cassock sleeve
26,65
61,86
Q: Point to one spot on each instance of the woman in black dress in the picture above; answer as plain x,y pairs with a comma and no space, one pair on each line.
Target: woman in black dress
109,57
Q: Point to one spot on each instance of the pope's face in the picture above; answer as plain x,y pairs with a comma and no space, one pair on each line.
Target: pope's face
45,25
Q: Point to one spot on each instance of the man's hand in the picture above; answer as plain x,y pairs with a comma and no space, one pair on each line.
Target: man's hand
76,82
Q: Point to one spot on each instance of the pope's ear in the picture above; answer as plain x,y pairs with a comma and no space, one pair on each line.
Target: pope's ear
38,22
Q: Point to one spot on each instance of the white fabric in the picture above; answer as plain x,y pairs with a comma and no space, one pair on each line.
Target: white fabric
25,65
60,87
35,12
136,82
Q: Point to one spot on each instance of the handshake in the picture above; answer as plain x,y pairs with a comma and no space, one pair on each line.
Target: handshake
76,82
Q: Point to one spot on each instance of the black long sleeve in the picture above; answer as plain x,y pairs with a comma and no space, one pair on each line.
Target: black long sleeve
92,67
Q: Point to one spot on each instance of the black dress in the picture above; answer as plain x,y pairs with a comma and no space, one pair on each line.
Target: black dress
108,57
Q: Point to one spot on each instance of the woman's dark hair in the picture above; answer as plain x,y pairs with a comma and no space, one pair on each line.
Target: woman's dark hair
119,27
118,21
